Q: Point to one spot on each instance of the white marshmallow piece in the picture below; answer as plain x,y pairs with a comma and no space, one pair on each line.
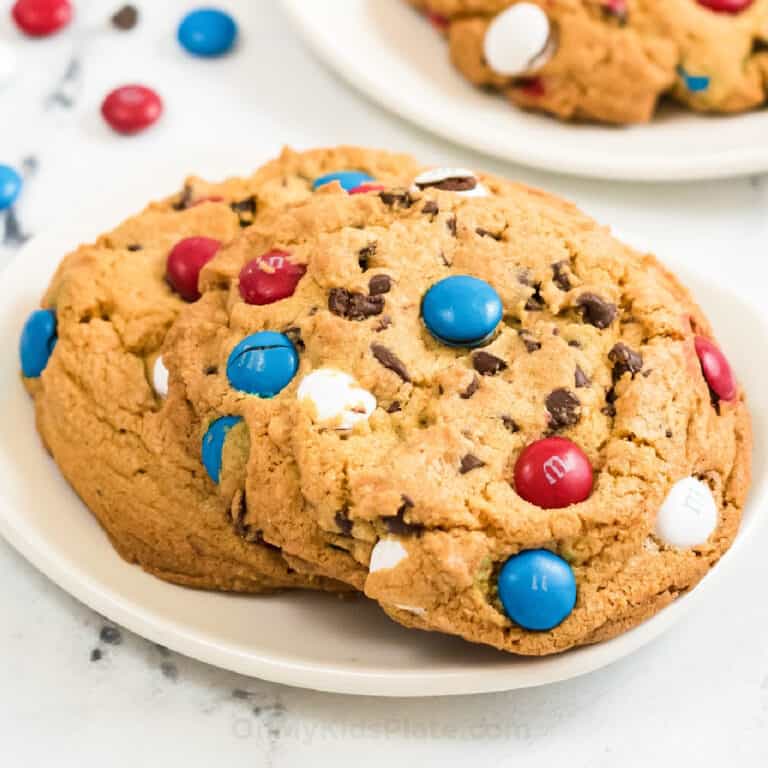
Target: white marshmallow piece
434,176
387,554
160,377
336,396
7,62
517,41
688,515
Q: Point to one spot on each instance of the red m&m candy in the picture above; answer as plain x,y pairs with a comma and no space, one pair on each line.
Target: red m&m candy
363,188
715,368
553,473
39,18
270,278
131,108
726,6
185,261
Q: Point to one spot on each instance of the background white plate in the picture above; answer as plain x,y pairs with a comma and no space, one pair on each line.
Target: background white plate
390,53
301,639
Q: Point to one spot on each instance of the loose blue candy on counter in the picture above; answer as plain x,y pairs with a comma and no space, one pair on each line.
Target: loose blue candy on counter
10,186
694,83
207,32
213,444
38,338
461,311
537,589
262,364
348,179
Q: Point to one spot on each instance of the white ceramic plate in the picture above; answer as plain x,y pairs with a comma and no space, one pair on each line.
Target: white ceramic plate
301,639
390,53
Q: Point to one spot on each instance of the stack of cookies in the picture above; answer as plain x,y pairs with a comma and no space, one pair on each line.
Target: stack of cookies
455,394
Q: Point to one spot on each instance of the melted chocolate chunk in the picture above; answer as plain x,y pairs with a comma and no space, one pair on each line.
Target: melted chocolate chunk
474,385
564,408
524,277
574,343
596,310
397,525
294,334
185,198
364,255
580,378
379,284
430,207
625,360
396,198
451,224
668,433
245,210
610,398
487,364
560,276
133,247
383,324
487,233
394,407
470,462
390,361
451,184
509,423
211,370
529,340
343,523
352,305
536,302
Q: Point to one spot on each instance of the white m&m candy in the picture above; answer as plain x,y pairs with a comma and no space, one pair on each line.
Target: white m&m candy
518,40
458,180
336,397
688,515
386,554
160,377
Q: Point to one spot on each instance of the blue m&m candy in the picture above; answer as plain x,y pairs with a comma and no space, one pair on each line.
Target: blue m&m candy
348,179
537,589
38,338
10,186
461,311
213,444
694,83
207,32
262,364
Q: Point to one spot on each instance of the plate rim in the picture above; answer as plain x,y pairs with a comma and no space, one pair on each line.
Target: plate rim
733,163
151,624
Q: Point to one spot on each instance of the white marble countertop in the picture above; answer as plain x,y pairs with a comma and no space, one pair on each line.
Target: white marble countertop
69,696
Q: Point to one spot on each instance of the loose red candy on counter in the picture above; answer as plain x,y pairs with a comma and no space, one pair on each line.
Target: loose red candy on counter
270,278
716,369
726,6
363,188
553,473
185,261
131,108
39,18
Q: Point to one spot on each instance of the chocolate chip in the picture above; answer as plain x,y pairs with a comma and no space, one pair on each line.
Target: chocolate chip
668,433
451,184
379,284
473,386
470,462
647,372
390,361
383,324
509,423
185,198
625,360
245,210
211,370
581,378
430,207
596,310
237,513
364,255
394,407
560,276
133,247
564,408
610,398
487,364
444,259
536,302
125,18
574,343
95,654
451,224
352,305
486,233
294,334
343,523
396,197
529,340
524,277
110,635
397,525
